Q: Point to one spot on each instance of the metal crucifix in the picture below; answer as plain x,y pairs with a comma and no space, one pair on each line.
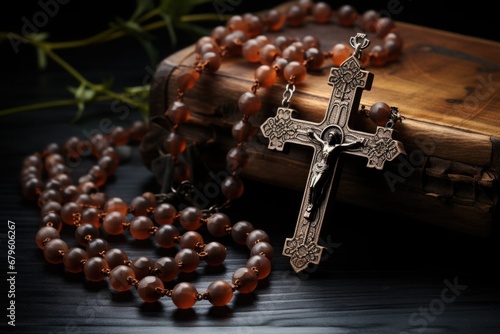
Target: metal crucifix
329,138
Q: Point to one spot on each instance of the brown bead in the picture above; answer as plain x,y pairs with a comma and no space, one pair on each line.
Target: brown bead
138,130
218,33
166,236
274,20
151,197
218,224
191,239
268,53
187,259
295,16
50,207
263,248
167,267
113,223
240,232
88,187
49,195
52,219
315,58
142,266
98,175
54,251
347,15
213,61
245,279
242,131
393,43
74,260
97,247
190,218
293,53
108,164
321,12
140,206
216,253
69,193
178,112
95,269
31,188
116,204
384,26
202,41
255,25
250,50
165,213
294,72
236,22
380,113
91,216
119,278
141,227
175,143
149,289
237,158
234,42
256,236
262,264
119,135
44,235
186,79
340,53
369,20
184,295
249,103
220,293
310,41
115,257
232,187
71,213
378,55
84,233
265,75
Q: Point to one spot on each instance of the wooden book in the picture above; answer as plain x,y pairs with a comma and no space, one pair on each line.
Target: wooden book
445,85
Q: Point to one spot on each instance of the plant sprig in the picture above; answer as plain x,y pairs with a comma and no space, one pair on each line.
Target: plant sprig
148,15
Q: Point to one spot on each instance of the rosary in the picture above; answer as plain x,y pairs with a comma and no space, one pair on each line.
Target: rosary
47,180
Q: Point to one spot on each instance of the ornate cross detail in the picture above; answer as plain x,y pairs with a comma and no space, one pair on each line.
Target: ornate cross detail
329,138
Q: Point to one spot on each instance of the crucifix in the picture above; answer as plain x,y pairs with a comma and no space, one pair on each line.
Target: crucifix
329,138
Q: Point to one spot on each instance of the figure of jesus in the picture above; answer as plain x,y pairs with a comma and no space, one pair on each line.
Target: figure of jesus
330,149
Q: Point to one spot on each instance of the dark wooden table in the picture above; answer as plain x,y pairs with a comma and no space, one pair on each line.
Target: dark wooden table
379,274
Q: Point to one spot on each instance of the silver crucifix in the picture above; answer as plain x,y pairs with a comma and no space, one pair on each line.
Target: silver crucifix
329,138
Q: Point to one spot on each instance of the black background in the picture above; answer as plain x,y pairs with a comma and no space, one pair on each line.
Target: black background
382,270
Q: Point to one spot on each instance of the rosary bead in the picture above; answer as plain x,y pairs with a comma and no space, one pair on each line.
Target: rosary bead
119,136
148,289
74,259
45,233
178,112
265,75
384,26
369,20
295,72
232,187
216,253
255,25
218,224
190,218
378,55
202,41
113,223
108,164
53,184
71,212
321,12
310,41
50,207
191,239
240,231
165,213
88,188
94,268
250,50
393,43
220,293
213,61
347,15
64,180
54,251
274,19
186,79
98,175
119,278
175,143
84,233
115,257
295,16
166,236
218,33
97,247
69,193
380,113
263,248
262,264
140,227
116,204
268,53
255,236
340,52
138,130
236,22
140,206
242,131
168,268
236,158
91,216
294,52
315,58
249,103
245,279
184,295
52,219
142,266
187,259
49,195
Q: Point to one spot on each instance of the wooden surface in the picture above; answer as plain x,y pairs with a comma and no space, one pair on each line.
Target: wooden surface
444,84
382,272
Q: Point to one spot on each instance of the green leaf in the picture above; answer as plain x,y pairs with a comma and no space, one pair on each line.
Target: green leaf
141,7
83,95
170,28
